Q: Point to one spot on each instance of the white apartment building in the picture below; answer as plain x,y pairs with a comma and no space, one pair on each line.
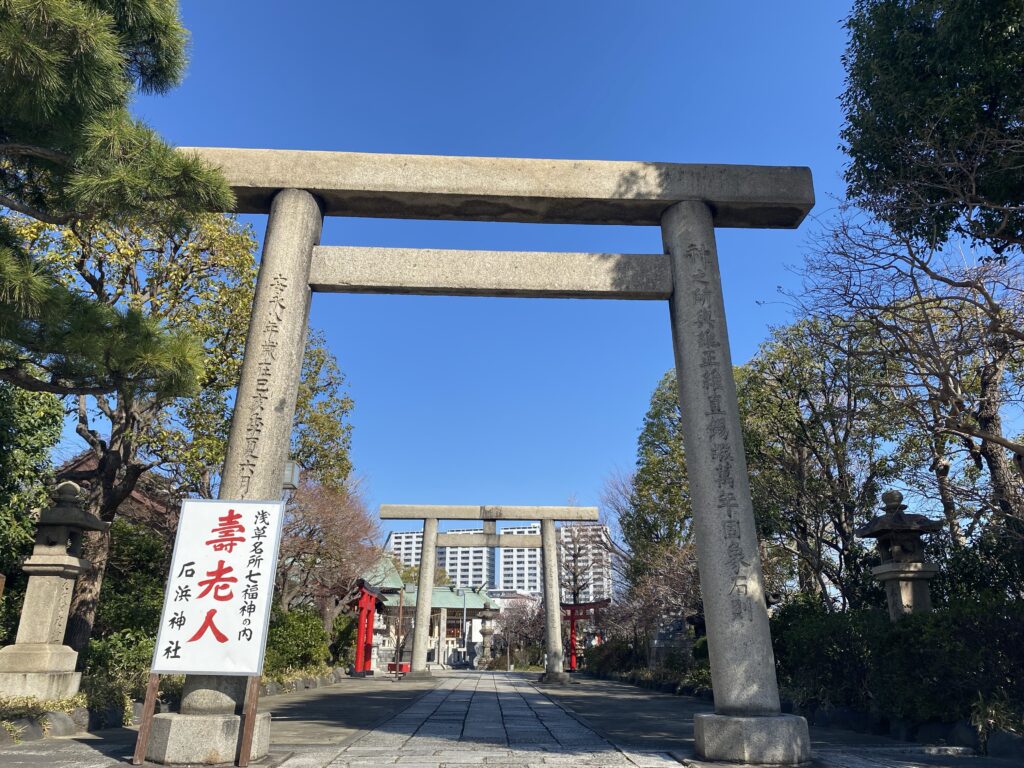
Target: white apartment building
406,546
465,566
468,566
521,569
584,558
585,562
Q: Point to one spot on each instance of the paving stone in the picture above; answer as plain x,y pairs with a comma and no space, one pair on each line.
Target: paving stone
651,759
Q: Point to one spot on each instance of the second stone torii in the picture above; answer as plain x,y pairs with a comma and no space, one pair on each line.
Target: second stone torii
489,537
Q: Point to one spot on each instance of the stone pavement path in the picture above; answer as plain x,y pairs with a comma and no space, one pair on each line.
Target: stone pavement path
636,718
485,719
494,720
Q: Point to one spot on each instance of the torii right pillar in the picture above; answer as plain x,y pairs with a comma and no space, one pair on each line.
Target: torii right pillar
748,725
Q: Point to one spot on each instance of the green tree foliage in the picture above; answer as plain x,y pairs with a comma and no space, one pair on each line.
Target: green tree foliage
132,594
819,420
322,434
296,639
411,575
69,151
30,424
933,107
198,281
71,156
658,513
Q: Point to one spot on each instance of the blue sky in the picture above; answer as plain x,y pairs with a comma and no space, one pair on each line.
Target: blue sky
509,401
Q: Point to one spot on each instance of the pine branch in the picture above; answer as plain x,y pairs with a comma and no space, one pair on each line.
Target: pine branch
33,151
35,213
20,378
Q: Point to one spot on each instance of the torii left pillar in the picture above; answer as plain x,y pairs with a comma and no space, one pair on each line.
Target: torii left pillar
207,730
364,633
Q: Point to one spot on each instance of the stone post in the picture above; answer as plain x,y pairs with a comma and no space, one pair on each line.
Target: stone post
486,632
747,726
553,672
207,730
424,598
441,657
39,664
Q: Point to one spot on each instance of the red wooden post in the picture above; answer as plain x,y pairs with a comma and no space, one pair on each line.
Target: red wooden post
370,616
360,633
572,640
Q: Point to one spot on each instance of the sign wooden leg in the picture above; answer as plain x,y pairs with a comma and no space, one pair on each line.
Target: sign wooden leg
148,708
252,698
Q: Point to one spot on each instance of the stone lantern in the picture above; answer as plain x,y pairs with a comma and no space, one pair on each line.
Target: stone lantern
39,664
487,615
903,572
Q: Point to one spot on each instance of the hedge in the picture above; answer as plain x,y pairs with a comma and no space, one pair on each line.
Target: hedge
957,662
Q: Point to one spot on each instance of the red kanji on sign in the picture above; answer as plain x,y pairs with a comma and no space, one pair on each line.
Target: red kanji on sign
209,625
228,532
219,582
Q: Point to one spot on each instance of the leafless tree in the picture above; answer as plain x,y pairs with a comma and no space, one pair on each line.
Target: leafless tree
328,540
521,625
952,320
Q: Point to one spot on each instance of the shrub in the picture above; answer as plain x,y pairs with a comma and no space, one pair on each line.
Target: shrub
11,708
115,669
824,659
700,649
296,640
343,640
954,663
612,656
132,594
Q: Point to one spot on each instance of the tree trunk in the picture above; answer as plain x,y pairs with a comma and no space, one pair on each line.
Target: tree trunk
95,549
113,481
1006,483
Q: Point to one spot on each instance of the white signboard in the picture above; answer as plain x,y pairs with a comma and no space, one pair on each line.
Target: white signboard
217,604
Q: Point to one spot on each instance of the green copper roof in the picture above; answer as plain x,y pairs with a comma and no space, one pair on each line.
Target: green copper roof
443,597
382,575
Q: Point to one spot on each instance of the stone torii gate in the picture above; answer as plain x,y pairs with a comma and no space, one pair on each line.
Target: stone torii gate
299,188
489,537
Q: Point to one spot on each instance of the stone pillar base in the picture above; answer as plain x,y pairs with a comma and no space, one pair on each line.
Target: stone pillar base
42,685
556,678
770,740
203,739
418,674
37,657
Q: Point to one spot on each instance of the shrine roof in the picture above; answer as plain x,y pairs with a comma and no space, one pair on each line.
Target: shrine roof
382,575
442,597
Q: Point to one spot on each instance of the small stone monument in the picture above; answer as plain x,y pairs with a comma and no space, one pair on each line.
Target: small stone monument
39,664
903,572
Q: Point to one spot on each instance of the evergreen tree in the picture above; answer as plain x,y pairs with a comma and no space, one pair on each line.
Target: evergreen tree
658,514
934,110
71,155
30,425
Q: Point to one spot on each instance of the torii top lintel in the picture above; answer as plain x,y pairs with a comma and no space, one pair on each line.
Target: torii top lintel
443,512
514,189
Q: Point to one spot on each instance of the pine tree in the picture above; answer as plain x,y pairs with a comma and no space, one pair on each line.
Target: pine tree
71,155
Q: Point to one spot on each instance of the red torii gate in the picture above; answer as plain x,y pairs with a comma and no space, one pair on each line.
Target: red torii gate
577,611
367,606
